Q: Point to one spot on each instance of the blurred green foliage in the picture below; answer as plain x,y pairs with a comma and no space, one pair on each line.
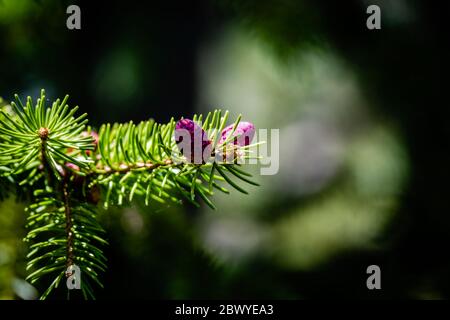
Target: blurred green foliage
12,249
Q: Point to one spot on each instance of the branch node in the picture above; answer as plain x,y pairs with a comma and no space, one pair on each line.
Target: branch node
43,133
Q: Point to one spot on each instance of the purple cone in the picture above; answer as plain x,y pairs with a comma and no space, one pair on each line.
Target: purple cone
194,148
244,133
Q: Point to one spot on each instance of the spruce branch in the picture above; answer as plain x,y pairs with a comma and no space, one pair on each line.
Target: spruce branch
66,169
64,232
34,134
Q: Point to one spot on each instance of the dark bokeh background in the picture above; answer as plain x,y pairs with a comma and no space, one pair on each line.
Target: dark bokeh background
135,60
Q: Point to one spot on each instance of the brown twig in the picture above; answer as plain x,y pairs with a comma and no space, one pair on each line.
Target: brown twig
69,225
